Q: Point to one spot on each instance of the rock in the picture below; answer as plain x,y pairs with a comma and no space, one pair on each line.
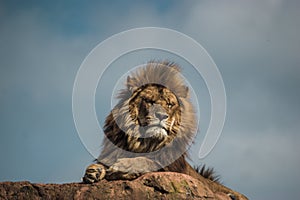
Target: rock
157,185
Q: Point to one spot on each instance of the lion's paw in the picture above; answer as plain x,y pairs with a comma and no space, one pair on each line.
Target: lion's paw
94,173
130,168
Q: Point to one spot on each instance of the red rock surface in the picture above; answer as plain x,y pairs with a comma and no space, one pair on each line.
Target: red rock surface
158,185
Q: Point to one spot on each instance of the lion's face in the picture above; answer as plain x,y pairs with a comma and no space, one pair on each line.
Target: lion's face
156,112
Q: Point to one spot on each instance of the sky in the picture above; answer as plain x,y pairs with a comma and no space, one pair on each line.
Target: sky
255,45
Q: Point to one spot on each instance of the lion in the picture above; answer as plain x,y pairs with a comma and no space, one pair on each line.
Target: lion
150,129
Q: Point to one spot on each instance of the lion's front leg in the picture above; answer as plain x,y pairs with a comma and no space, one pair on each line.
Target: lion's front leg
94,173
130,168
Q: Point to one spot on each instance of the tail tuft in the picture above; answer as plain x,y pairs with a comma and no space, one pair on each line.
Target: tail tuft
207,172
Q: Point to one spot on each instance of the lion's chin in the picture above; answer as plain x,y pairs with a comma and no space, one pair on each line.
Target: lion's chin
156,132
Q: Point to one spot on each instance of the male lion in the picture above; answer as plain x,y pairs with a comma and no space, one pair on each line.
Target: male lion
150,129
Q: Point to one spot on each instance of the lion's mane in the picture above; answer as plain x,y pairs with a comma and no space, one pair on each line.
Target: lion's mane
119,127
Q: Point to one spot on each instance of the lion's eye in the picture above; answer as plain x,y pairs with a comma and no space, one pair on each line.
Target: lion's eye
148,101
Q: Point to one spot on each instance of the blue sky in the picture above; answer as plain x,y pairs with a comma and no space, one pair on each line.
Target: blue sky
255,44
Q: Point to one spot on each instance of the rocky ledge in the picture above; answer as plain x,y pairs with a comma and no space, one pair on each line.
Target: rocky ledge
158,185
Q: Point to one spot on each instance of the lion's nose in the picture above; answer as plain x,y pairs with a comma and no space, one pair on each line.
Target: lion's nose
161,116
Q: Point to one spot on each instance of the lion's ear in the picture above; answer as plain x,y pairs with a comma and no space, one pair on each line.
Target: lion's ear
130,84
184,92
